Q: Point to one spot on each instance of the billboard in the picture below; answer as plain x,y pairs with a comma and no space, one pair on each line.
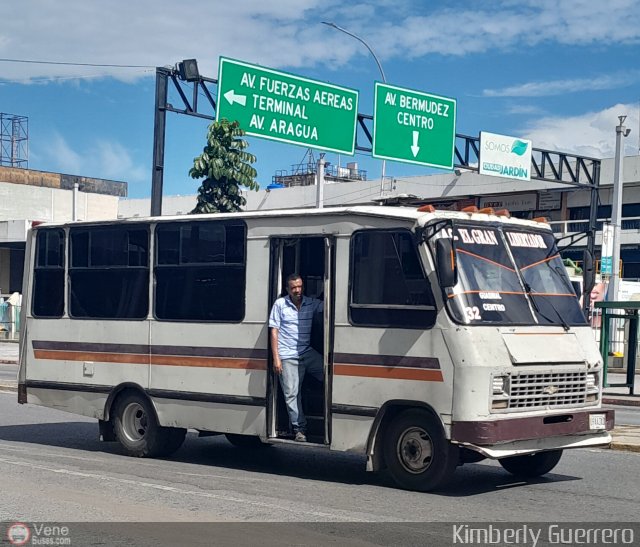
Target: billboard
503,156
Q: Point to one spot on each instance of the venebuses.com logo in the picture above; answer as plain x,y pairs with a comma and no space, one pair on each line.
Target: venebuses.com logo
18,534
38,533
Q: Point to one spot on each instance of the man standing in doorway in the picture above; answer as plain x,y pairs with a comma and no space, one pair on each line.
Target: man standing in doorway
290,330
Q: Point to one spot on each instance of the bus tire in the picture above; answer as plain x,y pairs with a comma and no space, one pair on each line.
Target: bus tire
137,429
417,454
531,465
247,442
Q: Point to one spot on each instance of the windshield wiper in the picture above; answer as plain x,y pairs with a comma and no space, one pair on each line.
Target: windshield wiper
531,293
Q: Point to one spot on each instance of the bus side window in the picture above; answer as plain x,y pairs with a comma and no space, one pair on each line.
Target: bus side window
388,286
109,272
200,271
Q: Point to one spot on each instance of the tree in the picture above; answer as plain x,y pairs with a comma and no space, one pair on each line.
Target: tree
226,166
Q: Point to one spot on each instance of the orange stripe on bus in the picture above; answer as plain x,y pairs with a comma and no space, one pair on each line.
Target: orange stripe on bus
522,268
143,359
474,255
396,373
131,358
483,291
214,362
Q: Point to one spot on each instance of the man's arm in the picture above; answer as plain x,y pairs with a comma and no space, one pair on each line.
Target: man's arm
277,364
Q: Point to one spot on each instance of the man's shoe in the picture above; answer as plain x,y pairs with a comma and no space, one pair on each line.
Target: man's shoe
300,437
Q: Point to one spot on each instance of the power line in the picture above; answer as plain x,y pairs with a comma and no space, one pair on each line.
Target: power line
31,61
66,78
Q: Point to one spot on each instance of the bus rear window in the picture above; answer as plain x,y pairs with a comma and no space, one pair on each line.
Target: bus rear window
48,279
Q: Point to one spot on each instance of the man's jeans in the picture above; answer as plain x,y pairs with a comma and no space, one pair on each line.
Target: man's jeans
293,371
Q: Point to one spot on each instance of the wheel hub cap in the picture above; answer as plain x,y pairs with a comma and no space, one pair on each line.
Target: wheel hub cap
134,421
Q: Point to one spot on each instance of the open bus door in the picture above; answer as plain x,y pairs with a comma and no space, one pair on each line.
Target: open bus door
312,257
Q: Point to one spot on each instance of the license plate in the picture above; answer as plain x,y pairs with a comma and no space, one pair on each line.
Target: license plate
597,421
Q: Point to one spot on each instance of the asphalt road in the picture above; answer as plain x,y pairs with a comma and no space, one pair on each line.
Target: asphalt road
53,468
8,373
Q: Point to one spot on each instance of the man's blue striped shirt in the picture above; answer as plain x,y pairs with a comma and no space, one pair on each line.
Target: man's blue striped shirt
294,327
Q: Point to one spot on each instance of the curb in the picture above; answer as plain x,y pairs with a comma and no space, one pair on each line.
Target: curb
623,402
626,447
13,388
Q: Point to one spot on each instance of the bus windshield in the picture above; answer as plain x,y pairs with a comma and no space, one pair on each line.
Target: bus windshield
509,275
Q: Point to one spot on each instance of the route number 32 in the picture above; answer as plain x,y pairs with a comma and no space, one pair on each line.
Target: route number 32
473,313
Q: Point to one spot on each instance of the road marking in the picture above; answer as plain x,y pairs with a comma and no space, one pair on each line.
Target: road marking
109,461
166,488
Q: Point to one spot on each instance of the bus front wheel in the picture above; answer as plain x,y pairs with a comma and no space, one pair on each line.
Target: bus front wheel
531,465
417,454
137,429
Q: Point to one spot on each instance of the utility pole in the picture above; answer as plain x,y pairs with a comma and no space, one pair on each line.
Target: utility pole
320,183
616,210
384,80
159,125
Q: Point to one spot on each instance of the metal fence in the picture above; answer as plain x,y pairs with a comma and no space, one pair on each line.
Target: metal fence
619,339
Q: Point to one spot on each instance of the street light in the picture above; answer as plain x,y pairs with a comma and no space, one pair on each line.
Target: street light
384,79
616,209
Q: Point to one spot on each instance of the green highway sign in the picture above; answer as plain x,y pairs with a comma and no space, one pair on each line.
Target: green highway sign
413,126
288,108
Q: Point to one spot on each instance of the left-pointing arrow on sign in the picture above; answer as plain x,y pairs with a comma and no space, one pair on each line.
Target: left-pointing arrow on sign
233,98
414,147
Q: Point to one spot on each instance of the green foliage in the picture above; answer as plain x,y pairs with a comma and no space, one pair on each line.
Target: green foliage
571,264
225,166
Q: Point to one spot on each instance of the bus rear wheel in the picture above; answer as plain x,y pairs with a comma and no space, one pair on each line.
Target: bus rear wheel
531,465
417,454
136,428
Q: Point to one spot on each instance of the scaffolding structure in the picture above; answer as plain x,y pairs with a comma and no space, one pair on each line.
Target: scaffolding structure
14,140
304,173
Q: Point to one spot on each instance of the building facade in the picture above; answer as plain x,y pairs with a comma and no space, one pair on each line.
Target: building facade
28,196
566,207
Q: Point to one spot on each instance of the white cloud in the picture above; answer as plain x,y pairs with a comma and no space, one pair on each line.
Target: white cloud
288,33
524,109
560,87
115,162
63,156
102,159
511,25
597,128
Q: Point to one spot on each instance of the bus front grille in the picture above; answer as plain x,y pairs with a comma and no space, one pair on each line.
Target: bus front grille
548,390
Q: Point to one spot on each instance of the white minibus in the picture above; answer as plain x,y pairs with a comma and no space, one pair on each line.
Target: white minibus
447,337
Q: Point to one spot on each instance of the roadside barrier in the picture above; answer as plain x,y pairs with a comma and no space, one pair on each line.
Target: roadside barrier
619,327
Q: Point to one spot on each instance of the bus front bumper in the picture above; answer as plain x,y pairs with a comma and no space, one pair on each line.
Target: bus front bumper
513,436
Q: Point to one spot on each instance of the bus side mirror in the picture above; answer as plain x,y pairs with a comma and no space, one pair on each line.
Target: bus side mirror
446,263
588,272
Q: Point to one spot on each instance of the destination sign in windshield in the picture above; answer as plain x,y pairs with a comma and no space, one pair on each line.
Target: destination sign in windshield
492,288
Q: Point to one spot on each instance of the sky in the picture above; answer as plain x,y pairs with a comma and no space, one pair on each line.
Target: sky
558,72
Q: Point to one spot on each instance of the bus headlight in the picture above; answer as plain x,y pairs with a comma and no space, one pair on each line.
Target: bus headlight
592,382
499,385
500,392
